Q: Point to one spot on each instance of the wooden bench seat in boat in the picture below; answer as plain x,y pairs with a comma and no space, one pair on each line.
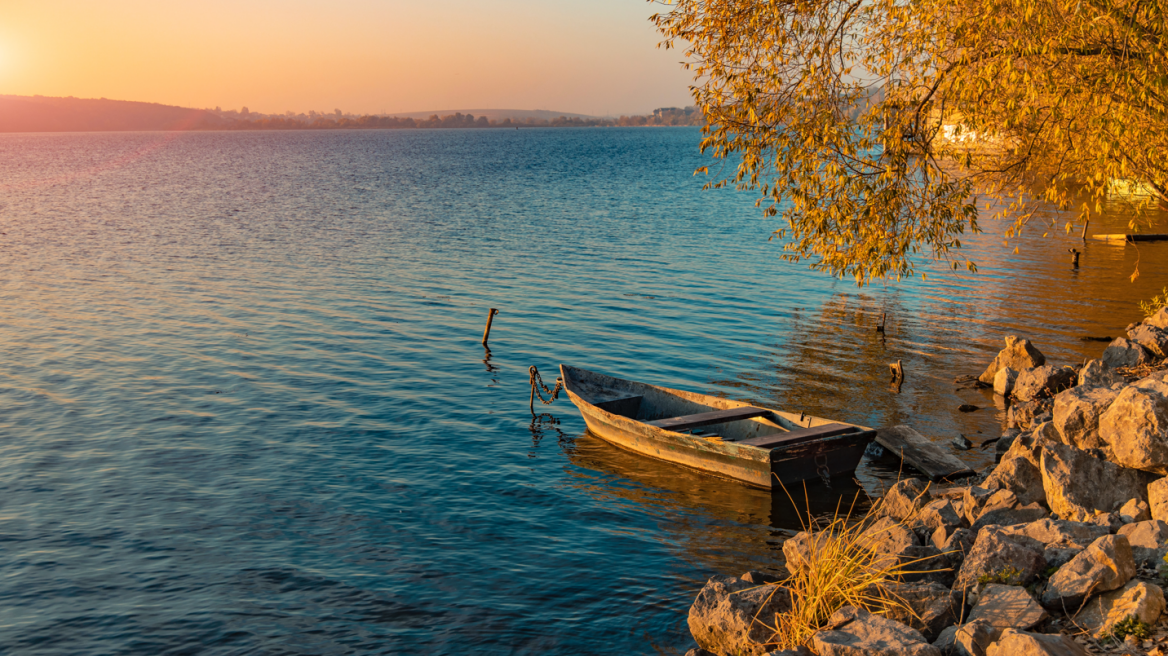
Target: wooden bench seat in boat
772,440
627,406
707,418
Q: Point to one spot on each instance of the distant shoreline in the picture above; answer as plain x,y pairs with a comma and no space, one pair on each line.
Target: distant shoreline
36,114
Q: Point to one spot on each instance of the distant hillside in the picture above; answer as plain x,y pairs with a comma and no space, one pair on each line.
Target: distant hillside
43,114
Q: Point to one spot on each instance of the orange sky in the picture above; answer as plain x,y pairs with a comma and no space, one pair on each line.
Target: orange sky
584,56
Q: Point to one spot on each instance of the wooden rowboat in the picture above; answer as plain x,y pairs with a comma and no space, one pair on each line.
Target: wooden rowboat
727,438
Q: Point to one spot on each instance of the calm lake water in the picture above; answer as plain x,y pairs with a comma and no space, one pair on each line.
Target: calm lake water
244,408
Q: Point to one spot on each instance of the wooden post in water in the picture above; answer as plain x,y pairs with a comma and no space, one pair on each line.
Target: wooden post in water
1074,257
487,330
883,318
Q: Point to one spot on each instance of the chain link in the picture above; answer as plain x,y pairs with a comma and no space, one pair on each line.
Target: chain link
537,382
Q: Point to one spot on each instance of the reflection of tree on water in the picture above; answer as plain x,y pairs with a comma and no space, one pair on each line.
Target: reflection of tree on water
832,362
721,525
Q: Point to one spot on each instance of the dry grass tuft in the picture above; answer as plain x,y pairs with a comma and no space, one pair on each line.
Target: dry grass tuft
843,569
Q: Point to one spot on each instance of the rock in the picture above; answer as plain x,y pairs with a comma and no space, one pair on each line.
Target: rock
935,514
1134,511
721,619
974,638
1010,516
698,651
905,499
947,641
1056,557
1158,498
759,578
977,500
1135,426
888,535
1019,354
1045,381
1105,565
856,632
1059,533
1158,320
1004,381
1007,606
1076,415
797,550
1024,415
1142,600
1006,441
962,443
968,407
1020,643
1096,374
1078,484
1153,339
797,651
1018,475
1015,559
1124,353
933,607
1147,540
955,543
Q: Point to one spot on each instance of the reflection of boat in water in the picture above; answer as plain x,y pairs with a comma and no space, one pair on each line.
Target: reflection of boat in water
758,446
682,498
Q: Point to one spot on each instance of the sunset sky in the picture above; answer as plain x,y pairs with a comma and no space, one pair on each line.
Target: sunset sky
363,56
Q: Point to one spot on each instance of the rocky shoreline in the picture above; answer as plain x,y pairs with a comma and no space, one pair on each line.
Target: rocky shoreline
1058,549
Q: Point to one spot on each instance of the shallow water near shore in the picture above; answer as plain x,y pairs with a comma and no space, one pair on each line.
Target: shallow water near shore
245,409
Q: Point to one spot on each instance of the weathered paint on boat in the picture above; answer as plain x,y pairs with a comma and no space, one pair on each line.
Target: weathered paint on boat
606,401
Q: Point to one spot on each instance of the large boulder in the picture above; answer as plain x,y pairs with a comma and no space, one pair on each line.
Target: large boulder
1001,557
1020,476
1059,532
1147,539
1020,643
723,617
1158,498
929,607
905,499
974,638
955,543
1019,354
1010,516
798,550
1135,426
853,631
1096,374
936,514
1138,599
1023,415
1078,484
1007,607
1076,415
1153,339
1105,565
1041,382
1125,353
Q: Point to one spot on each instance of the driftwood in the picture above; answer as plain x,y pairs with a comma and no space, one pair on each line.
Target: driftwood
922,453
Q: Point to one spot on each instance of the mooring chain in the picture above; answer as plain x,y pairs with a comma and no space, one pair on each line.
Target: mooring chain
537,382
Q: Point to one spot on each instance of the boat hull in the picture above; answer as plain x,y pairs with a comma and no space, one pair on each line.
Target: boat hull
759,467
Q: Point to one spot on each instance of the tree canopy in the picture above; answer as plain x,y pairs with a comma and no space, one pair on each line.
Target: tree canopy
874,128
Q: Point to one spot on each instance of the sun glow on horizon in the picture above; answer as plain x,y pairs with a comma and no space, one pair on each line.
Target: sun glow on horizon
361,56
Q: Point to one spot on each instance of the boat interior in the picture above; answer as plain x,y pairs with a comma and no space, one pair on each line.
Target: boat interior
697,414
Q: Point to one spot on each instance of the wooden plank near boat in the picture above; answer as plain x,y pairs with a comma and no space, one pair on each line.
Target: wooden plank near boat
708,418
922,453
1132,237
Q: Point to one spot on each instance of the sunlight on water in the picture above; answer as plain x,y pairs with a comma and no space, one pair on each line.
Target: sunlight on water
245,408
